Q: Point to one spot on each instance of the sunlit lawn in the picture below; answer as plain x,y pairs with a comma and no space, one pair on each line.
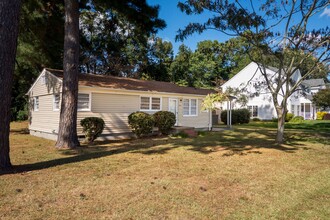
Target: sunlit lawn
237,174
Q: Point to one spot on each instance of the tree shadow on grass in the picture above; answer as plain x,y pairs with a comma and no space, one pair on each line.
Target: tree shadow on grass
241,142
237,142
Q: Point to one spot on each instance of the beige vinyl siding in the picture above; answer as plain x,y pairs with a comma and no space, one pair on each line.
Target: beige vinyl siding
199,121
114,103
52,85
45,119
114,109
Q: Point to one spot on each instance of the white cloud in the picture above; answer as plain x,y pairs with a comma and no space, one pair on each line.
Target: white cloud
326,12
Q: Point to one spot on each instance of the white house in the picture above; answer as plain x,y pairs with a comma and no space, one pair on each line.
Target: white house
260,102
113,99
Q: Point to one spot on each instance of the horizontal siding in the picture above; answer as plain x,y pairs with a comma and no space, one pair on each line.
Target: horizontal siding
52,85
114,103
199,121
45,119
114,122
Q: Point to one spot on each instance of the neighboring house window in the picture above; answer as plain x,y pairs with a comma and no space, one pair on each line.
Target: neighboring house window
150,103
83,102
56,102
190,107
292,109
254,110
36,103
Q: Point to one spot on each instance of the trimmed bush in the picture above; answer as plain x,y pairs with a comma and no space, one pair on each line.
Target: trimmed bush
141,123
288,116
320,115
326,117
297,119
164,121
239,116
256,119
92,128
274,119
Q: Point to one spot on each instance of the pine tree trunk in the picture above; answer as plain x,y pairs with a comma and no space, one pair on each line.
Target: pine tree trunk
9,20
67,135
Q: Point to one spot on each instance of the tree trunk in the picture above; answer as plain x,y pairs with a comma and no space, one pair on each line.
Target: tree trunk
9,20
280,127
67,134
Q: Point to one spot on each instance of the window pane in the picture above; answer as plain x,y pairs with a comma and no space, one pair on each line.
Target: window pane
36,103
193,107
83,101
155,104
144,103
186,107
56,102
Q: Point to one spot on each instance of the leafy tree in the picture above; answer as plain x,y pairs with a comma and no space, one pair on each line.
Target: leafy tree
180,67
207,64
159,59
322,98
9,20
40,44
288,48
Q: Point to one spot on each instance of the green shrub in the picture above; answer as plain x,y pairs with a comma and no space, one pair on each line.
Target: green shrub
92,128
288,116
297,119
164,121
239,116
320,115
256,119
141,123
274,119
22,115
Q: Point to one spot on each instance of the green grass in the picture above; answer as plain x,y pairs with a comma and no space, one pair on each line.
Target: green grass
232,174
310,125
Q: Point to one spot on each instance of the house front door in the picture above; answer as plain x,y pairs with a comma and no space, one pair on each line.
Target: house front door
173,107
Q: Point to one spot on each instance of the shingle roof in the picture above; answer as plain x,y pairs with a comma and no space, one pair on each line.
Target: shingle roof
313,82
112,82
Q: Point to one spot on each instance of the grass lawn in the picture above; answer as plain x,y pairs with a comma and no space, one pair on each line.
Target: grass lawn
232,174
311,125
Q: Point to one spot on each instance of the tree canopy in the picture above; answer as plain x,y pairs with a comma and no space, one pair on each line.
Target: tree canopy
274,32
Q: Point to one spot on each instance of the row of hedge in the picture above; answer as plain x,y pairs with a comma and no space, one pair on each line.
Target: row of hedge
140,122
143,123
238,116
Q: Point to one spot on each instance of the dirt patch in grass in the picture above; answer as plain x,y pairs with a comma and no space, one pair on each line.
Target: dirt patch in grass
237,174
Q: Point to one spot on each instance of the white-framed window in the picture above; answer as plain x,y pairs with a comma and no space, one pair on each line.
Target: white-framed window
253,110
189,107
292,109
150,103
84,103
56,102
36,103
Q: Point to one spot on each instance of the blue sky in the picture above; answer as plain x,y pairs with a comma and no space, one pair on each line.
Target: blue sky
175,20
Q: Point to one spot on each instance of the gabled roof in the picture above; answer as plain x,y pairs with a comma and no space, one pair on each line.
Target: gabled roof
313,82
111,82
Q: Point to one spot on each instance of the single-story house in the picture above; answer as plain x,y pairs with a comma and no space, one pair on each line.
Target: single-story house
113,99
260,101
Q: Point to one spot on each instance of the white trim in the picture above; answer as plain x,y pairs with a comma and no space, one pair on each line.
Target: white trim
59,103
190,115
176,109
89,102
41,74
150,103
